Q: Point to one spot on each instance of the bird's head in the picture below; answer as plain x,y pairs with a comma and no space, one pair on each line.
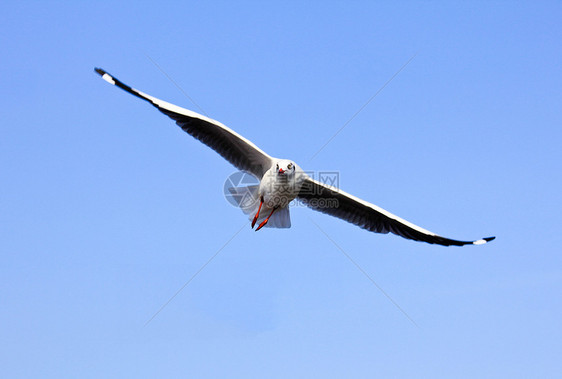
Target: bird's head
285,167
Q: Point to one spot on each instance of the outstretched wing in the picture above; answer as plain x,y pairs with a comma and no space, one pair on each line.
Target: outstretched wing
230,145
335,202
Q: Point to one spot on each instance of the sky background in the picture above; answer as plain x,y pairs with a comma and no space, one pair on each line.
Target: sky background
107,208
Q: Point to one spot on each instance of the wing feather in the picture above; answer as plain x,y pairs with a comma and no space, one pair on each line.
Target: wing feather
337,203
236,149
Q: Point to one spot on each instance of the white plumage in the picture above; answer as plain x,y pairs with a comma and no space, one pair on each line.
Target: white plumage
281,180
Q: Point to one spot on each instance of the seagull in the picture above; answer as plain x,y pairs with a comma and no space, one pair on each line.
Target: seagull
282,180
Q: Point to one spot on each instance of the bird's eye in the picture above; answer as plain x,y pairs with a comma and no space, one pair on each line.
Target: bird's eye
290,166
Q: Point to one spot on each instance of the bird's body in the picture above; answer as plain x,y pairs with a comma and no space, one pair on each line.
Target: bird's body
282,181
280,188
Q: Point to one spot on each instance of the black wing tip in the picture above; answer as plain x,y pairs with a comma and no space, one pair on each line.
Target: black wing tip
483,241
116,82
107,77
100,71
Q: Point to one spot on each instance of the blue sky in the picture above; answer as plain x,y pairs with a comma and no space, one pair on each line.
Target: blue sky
107,208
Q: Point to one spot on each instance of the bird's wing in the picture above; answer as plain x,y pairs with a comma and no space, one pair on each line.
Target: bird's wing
230,145
335,202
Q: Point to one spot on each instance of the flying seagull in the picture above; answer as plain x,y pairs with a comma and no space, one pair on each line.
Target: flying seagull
282,180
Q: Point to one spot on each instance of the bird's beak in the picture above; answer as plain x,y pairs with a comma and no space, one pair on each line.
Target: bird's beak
281,171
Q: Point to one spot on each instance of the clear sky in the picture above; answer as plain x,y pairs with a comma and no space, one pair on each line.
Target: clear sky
107,208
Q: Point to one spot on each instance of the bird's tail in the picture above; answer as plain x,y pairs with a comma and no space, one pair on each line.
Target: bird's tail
281,218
